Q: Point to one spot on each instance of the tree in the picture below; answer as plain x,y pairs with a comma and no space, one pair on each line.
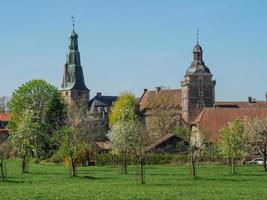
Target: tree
24,138
256,137
130,137
124,110
47,108
232,142
73,147
192,143
163,117
80,134
138,141
4,149
119,136
3,104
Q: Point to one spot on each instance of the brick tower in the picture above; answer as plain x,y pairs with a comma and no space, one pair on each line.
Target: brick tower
198,88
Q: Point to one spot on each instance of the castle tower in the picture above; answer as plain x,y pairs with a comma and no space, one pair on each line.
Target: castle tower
198,88
73,88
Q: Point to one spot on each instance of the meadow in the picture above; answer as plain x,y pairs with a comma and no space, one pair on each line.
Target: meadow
46,181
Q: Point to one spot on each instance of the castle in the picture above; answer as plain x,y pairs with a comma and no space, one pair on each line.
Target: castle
193,104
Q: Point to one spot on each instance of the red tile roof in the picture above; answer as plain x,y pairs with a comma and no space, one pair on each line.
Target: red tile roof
5,117
211,120
171,98
241,104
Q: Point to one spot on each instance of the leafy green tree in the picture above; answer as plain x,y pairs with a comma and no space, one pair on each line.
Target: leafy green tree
232,142
72,147
24,138
47,108
125,108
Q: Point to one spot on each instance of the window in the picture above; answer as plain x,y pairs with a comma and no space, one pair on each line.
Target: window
200,78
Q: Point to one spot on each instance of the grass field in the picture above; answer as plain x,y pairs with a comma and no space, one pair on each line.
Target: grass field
162,182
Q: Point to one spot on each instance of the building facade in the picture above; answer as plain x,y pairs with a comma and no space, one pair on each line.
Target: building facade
198,88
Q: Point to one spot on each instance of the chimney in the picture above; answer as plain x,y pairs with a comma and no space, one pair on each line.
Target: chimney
266,96
98,94
145,90
251,100
158,89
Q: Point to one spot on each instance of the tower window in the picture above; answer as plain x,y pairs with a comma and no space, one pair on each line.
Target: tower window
200,78
79,94
67,93
200,93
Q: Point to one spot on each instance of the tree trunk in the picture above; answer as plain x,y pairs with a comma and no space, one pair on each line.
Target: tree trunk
72,165
233,166
264,162
125,163
142,174
2,169
193,164
23,164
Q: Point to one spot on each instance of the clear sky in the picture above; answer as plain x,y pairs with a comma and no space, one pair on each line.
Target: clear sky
136,44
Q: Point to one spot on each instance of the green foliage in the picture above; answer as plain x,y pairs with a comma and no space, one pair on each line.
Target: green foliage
24,137
72,147
125,108
166,182
47,111
232,140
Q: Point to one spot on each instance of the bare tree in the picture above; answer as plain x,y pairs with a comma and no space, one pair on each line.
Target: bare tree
194,143
138,142
3,104
256,137
80,134
162,116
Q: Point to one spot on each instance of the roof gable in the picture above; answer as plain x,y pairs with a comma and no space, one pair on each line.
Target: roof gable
169,99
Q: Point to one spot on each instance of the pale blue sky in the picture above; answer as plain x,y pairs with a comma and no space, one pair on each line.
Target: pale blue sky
136,44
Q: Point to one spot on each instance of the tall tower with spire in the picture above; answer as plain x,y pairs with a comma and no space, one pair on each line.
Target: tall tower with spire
198,88
73,87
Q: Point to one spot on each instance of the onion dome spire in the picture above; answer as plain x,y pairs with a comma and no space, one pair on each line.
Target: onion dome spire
198,66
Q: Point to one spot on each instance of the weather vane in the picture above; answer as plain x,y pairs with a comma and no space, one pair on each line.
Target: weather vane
73,22
197,35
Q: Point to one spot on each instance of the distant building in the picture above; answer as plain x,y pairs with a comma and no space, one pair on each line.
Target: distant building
73,87
100,105
194,106
4,119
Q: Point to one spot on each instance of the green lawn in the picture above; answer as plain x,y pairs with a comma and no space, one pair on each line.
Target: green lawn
162,182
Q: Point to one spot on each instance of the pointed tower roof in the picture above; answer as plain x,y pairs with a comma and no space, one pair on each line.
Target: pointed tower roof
198,66
73,78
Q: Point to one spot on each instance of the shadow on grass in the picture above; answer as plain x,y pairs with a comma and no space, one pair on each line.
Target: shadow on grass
12,181
229,178
47,173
